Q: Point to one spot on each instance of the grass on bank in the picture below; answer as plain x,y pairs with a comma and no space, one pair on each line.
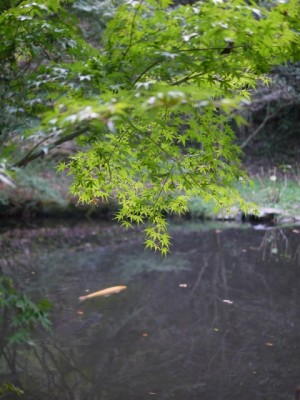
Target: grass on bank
281,193
271,189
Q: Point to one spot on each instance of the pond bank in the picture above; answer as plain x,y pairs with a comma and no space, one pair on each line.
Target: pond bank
46,194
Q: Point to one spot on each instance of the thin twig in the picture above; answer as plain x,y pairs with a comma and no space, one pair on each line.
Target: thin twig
132,30
146,70
162,187
268,117
187,78
212,48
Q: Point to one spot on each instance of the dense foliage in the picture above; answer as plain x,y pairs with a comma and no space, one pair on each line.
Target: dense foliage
150,98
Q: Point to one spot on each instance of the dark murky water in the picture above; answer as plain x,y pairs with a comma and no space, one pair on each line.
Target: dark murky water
218,319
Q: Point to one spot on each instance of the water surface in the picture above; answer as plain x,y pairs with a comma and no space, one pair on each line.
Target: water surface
218,319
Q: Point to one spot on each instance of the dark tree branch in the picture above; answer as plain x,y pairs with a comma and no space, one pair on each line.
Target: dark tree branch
32,154
36,146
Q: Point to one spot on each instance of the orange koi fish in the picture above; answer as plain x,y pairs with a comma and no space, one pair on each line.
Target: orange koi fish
105,292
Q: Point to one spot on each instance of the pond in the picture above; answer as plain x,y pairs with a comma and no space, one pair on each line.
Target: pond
217,319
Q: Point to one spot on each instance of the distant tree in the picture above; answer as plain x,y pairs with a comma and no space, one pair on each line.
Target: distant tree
150,100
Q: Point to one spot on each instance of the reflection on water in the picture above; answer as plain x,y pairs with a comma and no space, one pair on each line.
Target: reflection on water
218,319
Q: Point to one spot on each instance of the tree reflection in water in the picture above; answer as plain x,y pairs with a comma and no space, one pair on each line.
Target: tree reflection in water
217,319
